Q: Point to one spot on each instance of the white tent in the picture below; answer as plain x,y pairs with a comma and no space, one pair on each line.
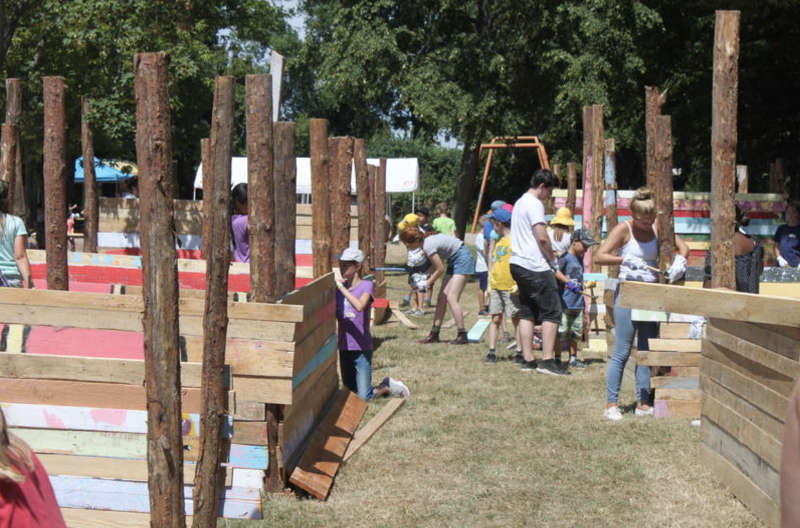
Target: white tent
402,174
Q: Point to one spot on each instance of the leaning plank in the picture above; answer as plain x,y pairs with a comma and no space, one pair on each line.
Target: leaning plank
674,345
777,381
754,351
711,303
365,433
761,396
324,453
130,371
742,487
668,359
397,312
85,394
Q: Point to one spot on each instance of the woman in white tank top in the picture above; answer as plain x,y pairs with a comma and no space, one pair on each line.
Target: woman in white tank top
637,242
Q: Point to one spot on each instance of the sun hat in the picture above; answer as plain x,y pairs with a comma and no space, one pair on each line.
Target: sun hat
563,217
352,255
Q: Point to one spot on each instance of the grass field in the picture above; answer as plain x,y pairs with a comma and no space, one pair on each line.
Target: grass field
488,445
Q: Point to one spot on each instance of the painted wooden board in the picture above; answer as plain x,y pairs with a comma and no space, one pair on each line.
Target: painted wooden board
764,421
638,314
723,304
84,394
247,478
779,382
250,433
686,409
674,345
668,359
328,444
475,333
323,356
120,495
742,487
367,431
86,518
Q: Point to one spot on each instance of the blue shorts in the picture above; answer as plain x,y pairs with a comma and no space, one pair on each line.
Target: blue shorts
483,279
461,262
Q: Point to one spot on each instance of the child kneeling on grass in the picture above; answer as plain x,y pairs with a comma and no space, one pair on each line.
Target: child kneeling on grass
353,309
572,303
502,297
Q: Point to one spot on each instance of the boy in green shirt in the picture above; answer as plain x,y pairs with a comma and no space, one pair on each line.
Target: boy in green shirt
443,223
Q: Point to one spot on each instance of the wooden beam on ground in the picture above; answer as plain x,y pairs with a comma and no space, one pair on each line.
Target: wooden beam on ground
90,202
55,187
160,282
397,312
365,433
722,304
260,188
664,218
285,179
653,101
572,186
328,445
362,199
724,105
215,317
340,151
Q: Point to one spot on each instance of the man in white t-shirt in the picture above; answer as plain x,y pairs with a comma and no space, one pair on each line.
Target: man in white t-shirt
534,268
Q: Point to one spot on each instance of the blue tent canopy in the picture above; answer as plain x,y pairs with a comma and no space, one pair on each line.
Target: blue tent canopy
106,170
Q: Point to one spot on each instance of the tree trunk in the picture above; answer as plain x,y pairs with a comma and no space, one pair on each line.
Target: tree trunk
90,200
664,218
160,291
653,101
55,188
723,148
320,202
260,188
285,181
362,190
466,185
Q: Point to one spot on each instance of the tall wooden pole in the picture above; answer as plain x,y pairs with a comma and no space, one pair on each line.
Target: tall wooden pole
17,201
653,101
598,176
260,190
588,179
777,183
90,201
724,103
208,192
340,150
572,186
285,174
362,191
160,291
372,177
8,160
664,218
55,188
380,219
13,100
610,177
215,316
320,203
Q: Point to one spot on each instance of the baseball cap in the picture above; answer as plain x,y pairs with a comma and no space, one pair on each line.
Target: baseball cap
497,204
508,207
352,255
585,236
501,215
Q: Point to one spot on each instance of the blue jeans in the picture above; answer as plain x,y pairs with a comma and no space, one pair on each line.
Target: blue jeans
356,368
623,339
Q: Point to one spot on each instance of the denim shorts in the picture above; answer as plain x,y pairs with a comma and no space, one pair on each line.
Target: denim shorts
461,262
539,296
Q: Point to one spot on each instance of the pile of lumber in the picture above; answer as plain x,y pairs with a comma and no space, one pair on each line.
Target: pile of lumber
676,359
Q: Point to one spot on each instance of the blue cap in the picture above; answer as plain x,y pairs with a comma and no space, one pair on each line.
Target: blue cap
501,215
497,204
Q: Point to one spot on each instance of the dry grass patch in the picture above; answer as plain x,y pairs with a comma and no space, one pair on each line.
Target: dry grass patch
489,445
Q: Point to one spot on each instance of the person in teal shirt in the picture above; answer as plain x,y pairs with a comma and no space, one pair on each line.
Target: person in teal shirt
443,223
14,263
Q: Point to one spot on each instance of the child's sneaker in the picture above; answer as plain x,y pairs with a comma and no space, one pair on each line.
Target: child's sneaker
613,413
491,358
396,387
574,362
405,302
519,358
643,412
527,366
419,312
549,366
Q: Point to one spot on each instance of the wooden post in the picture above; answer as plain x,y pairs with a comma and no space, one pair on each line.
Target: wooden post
372,177
17,202
340,150
598,176
380,219
8,159
208,191
55,188
260,188
588,166
777,183
572,186
723,147
13,100
664,217
160,291
320,203
742,180
285,181
362,191
653,101
90,201
610,177
215,317
549,206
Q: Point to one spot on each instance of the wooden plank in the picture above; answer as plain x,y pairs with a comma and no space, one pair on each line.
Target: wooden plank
668,359
88,518
86,394
674,345
324,453
742,487
689,409
268,390
476,332
752,465
678,394
249,433
766,399
762,420
403,318
249,411
365,433
685,372
723,304
777,381
754,352
766,336
129,371
251,357
746,432
673,381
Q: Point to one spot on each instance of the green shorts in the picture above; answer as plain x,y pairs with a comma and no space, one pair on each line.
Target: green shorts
571,326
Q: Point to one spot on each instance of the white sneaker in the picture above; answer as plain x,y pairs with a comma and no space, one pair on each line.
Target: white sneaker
644,412
396,387
613,413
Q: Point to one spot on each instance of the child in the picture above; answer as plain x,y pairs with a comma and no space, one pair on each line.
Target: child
353,306
571,327
240,235
26,495
502,297
418,270
443,223
481,269
559,231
